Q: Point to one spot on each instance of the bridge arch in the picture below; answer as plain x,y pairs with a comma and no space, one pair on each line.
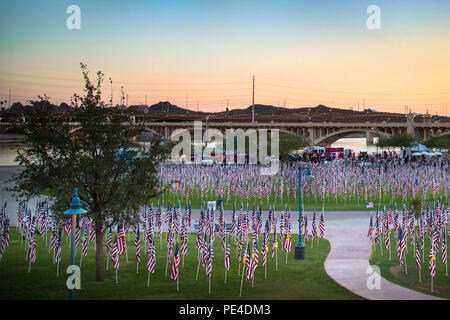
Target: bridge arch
334,136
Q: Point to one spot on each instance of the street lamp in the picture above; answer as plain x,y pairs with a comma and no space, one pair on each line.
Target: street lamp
75,209
300,247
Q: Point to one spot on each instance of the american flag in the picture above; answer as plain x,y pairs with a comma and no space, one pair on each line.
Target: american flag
418,261
57,257
401,245
184,239
209,262
287,243
274,242
254,262
314,227
92,232
68,228
227,256
77,234
137,244
444,248
435,241
305,234
387,240
151,257
115,253
322,226
370,232
264,248
84,243
32,242
247,261
121,243
176,264
432,263
108,242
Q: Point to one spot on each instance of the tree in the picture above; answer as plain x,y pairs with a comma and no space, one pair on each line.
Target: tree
400,140
438,142
385,142
112,186
289,143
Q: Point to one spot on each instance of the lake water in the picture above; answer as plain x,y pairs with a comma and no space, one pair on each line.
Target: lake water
8,152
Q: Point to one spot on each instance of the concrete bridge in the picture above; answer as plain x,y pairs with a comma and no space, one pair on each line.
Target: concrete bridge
318,133
322,133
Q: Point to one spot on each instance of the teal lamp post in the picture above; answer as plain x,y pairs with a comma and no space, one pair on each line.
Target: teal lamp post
300,247
75,209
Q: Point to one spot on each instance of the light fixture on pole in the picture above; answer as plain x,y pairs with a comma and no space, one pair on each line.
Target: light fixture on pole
75,209
300,247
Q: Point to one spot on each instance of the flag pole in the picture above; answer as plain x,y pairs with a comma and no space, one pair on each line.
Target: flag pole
57,270
198,265
242,281
116,277
148,279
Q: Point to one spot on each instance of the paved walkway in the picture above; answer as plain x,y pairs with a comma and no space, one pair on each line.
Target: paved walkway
348,262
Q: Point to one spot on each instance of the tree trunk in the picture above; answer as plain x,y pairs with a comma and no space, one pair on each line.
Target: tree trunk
99,274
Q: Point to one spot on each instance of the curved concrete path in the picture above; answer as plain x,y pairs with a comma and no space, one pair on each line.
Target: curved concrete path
348,262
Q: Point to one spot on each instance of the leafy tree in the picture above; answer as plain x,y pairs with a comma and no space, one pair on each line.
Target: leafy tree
402,140
112,186
396,141
289,143
385,142
438,142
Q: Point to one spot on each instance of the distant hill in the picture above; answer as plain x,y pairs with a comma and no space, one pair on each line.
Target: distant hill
263,113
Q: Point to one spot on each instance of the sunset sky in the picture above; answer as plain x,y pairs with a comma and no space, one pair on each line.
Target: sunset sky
302,53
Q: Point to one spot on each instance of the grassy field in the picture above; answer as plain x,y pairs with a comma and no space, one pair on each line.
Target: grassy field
392,271
298,279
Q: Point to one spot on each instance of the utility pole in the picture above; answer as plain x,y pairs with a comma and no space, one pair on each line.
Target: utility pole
253,101
9,100
186,100
145,99
197,104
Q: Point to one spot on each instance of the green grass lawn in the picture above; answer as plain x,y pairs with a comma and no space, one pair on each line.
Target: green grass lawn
392,271
298,279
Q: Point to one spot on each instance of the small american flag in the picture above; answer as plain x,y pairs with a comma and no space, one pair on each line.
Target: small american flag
121,243
115,254
401,245
137,244
432,263
176,264
418,261
57,257
84,243
151,257
209,262
227,256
